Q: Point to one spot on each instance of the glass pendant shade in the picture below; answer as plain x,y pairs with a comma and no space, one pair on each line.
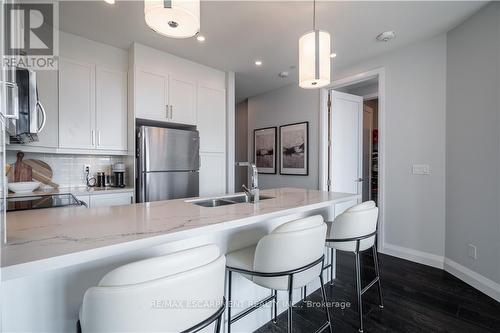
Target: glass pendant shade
314,59
174,18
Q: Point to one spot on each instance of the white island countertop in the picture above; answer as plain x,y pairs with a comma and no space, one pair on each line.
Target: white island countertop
58,237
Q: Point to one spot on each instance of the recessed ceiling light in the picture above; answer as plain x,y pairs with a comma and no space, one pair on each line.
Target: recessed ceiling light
333,55
386,36
111,2
258,63
200,38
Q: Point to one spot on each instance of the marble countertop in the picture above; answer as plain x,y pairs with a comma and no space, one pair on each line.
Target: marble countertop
43,237
81,190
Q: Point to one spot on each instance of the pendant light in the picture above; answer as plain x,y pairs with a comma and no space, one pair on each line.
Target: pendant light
314,57
173,18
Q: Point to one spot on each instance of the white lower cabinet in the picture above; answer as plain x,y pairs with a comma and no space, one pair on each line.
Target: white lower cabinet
212,174
107,200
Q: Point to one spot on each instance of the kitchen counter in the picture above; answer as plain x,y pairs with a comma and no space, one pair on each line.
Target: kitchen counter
81,190
41,239
54,255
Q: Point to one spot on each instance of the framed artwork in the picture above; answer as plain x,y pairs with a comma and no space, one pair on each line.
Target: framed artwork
265,142
294,149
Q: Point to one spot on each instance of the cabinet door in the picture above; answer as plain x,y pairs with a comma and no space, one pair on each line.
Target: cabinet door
212,119
151,95
108,200
212,174
111,109
48,96
76,105
182,101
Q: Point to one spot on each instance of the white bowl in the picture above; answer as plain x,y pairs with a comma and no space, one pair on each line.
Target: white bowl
23,187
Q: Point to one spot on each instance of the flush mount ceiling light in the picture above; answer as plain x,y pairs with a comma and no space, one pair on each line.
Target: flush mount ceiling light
314,57
174,18
386,36
111,2
333,55
258,63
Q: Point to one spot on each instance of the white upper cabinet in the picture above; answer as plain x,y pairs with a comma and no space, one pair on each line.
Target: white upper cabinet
182,101
76,104
151,95
212,119
111,109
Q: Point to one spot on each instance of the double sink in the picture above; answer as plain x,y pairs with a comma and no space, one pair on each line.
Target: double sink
224,201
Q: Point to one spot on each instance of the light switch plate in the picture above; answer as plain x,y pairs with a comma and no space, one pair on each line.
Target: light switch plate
421,169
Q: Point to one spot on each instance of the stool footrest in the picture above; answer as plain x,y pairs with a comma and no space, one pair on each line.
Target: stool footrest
252,308
324,327
370,285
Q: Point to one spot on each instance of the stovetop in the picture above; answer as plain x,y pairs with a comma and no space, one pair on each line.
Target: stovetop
42,201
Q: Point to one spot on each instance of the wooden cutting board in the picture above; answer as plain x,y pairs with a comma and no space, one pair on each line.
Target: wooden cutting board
22,171
41,172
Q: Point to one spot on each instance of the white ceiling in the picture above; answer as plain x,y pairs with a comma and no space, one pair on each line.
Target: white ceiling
239,32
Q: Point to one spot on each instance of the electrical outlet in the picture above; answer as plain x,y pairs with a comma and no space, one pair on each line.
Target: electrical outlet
472,251
421,169
86,168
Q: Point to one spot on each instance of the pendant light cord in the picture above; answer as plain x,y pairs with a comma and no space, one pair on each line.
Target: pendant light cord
314,14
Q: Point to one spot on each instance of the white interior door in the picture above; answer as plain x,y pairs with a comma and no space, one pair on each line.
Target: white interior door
346,149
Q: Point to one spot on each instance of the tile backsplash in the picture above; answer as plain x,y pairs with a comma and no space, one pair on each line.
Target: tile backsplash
68,169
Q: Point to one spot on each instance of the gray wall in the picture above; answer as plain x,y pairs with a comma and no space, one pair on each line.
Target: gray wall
286,105
241,143
472,142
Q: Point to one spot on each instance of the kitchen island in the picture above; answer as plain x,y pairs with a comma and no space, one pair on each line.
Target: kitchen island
53,255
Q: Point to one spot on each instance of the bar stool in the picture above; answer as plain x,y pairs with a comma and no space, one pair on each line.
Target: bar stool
161,294
355,231
289,257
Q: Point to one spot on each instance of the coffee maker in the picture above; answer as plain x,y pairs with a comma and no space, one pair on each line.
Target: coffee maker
119,175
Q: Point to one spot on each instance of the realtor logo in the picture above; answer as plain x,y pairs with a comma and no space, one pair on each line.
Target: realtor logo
31,35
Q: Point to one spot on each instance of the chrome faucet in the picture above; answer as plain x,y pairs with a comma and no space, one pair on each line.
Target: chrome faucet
252,193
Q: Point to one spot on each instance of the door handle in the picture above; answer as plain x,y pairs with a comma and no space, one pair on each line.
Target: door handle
44,116
360,180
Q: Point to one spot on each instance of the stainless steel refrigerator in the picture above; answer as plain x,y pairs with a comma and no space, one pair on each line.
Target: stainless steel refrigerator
168,163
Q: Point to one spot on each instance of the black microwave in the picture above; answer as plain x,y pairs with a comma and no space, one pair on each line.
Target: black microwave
31,114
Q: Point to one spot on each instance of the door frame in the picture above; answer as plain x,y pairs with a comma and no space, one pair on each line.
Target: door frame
379,74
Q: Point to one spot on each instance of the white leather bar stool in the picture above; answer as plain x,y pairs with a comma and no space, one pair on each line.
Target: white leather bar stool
291,256
161,294
355,231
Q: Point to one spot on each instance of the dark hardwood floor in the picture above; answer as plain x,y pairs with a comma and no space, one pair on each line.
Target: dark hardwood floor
417,298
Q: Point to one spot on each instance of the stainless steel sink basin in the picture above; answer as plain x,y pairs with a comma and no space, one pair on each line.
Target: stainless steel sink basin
223,201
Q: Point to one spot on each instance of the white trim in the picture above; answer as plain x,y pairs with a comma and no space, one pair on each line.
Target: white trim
323,137
478,281
230,131
420,257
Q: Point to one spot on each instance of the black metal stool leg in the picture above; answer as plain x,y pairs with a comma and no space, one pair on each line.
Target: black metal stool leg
217,324
377,272
229,281
275,306
358,291
290,303
323,295
331,266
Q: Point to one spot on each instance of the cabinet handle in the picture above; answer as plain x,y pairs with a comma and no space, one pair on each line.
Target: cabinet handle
93,138
166,106
98,138
171,112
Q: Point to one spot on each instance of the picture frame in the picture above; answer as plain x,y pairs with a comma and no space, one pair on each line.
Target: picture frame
294,149
265,141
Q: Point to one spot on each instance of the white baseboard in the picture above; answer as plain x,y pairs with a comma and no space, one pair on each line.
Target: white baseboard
485,285
481,283
420,257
